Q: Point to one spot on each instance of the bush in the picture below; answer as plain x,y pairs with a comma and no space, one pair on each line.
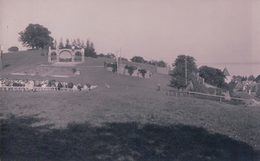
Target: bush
13,49
143,72
198,86
130,69
113,66
74,70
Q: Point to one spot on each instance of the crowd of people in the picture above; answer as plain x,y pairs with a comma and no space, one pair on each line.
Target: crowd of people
57,85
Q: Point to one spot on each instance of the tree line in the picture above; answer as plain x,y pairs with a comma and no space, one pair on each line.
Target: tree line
186,71
37,36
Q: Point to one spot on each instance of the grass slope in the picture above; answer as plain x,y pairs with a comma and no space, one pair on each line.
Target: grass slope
117,141
128,121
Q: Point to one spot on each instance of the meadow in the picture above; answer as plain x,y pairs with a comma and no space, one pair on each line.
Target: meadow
131,120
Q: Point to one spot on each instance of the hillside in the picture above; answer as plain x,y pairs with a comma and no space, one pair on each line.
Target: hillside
235,129
92,71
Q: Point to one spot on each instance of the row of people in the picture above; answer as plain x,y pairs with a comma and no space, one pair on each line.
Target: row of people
31,84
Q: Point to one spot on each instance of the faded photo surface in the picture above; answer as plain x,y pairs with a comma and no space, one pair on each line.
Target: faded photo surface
129,80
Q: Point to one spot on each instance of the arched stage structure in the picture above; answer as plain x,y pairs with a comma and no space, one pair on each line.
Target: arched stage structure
66,55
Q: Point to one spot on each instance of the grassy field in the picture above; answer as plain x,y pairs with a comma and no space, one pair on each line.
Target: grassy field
128,121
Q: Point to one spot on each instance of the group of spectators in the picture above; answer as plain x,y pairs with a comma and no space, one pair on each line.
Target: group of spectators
31,84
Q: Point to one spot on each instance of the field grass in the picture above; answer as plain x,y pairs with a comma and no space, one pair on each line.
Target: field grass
128,121
117,141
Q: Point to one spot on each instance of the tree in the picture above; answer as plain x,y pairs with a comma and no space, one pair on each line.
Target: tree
61,45
161,63
212,76
237,78
122,59
251,78
36,36
257,79
82,45
244,78
67,45
89,50
138,59
178,74
74,43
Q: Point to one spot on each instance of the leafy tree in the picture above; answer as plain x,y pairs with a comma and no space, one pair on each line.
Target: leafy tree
138,59
89,50
212,76
13,49
35,36
178,73
161,63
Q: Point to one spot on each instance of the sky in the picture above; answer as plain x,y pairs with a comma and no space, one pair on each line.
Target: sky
212,31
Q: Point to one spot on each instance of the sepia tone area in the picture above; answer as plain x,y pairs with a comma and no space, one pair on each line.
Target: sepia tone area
129,80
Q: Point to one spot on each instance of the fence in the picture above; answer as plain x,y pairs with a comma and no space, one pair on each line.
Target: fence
205,96
36,89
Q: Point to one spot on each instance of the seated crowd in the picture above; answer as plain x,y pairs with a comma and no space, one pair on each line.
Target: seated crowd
57,85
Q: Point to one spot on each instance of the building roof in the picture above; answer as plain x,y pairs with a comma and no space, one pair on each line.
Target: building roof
225,71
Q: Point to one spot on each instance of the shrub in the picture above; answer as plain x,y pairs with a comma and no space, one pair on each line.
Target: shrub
143,72
74,70
113,66
130,69
17,84
13,49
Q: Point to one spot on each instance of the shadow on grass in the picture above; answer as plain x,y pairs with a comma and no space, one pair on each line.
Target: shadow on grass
116,141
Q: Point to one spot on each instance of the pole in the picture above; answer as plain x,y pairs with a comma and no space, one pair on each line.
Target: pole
117,65
186,71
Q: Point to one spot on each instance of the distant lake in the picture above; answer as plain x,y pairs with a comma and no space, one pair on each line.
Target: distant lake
243,69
